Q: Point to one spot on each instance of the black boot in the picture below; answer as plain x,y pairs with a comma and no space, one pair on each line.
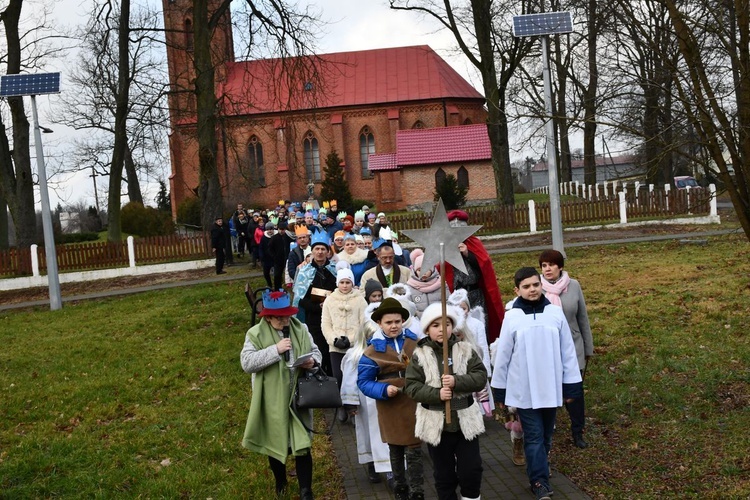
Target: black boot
401,492
305,494
372,475
578,440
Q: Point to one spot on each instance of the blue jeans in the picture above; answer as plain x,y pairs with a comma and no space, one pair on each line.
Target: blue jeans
538,426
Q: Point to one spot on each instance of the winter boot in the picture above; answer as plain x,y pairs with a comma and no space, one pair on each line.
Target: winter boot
519,458
372,475
578,440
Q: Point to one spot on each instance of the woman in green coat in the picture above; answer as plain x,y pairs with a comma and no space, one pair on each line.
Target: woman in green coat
271,350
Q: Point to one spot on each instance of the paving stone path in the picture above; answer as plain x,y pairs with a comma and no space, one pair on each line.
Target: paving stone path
501,478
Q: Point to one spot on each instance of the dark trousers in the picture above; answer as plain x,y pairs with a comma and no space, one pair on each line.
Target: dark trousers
267,274
219,259
278,276
413,475
538,427
456,462
322,344
577,415
336,359
241,245
304,467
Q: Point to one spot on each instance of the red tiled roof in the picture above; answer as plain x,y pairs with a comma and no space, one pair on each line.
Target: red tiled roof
384,161
347,79
442,145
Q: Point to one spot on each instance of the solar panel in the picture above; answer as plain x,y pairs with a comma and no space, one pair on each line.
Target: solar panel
40,83
545,23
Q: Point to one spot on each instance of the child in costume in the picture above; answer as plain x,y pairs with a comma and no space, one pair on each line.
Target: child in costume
454,446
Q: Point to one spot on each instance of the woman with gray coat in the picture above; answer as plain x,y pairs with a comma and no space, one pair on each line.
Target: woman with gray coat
565,292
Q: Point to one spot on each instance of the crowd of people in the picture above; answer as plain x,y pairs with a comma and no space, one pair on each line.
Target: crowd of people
345,298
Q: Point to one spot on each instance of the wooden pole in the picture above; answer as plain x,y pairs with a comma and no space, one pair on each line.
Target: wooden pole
444,303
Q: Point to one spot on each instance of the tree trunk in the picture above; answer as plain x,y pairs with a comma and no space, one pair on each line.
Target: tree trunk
589,98
560,115
119,150
134,187
16,181
497,120
209,187
4,236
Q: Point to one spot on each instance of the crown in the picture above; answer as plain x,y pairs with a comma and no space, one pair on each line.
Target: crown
359,215
320,238
326,204
333,203
341,215
301,230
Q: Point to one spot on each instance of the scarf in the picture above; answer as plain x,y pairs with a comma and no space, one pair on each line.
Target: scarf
272,427
553,290
432,284
395,275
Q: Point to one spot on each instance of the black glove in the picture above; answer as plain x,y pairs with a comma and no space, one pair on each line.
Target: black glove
342,343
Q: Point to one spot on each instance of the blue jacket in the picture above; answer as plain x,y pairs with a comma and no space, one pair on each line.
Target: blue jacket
368,370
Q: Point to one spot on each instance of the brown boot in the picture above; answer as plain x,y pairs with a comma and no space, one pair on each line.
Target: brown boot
518,456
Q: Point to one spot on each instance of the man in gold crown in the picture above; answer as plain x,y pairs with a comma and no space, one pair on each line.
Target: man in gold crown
297,254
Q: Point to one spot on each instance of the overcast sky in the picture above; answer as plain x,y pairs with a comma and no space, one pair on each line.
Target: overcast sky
353,25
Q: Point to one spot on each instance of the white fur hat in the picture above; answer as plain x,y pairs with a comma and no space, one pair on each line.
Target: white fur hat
458,296
435,311
402,293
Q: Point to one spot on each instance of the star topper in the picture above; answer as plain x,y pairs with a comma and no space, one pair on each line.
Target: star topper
441,232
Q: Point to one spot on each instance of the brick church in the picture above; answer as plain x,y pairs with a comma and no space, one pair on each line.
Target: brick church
399,118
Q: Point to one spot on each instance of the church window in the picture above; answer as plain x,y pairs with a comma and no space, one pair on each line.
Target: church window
255,160
418,124
467,121
366,148
463,177
312,158
439,177
188,34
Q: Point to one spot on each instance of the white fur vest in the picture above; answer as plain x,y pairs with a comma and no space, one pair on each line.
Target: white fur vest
430,423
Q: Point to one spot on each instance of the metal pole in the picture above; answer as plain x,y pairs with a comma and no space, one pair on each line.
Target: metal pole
55,300
554,187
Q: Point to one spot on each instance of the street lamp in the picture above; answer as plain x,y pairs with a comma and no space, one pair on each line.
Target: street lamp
543,25
33,85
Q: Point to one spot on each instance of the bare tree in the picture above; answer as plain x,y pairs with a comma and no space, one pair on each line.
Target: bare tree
495,53
25,49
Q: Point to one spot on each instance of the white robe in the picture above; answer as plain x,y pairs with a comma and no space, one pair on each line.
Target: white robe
370,446
535,357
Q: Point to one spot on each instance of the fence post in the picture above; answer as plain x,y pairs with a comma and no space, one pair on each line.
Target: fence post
131,251
712,190
34,260
637,193
591,188
687,189
623,208
667,187
532,216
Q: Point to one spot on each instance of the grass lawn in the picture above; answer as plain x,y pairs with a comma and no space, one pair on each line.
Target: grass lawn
143,396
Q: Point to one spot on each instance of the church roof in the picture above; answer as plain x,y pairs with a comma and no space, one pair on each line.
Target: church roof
367,77
431,146
442,145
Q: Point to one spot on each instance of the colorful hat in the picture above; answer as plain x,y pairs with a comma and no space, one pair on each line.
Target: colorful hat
334,204
359,215
341,215
301,230
339,234
371,216
365,231
326,205
277,304
320,238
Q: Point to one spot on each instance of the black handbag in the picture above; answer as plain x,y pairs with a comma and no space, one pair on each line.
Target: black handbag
317,390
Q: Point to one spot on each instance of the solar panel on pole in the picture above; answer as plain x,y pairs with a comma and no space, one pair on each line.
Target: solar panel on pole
544,23
22,85
34,85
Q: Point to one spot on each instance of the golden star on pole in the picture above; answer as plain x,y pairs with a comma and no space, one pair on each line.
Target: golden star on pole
441,231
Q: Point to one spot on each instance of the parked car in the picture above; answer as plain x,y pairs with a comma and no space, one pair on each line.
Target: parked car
686,181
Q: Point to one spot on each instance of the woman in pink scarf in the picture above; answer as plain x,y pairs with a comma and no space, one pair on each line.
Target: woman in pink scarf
424,284
565,292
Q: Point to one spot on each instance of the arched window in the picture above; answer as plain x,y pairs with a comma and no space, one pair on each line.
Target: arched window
439,177
366,148
463,177
312,158
257,172
188,34
467,121
418,124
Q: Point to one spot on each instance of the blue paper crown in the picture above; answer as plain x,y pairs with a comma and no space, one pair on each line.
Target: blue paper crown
276,300
318,238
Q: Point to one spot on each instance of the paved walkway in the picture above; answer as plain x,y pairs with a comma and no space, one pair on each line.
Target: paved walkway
501,479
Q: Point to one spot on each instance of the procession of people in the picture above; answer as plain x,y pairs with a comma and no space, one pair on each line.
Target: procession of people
353,311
